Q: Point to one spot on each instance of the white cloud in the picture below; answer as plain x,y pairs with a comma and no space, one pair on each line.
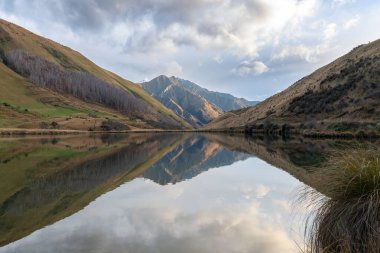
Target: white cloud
309,53
352,22
254,191
218,59
342,2
174,69
330,31
250,67
244,27
261,190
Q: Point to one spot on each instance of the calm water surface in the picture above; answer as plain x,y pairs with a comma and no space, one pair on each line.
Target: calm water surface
155,193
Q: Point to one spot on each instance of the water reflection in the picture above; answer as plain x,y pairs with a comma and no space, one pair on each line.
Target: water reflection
195,155
224,210
59,177
243,206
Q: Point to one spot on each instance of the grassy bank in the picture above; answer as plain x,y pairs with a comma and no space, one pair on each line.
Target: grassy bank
347,218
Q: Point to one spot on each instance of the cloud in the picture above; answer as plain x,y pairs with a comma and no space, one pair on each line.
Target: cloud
330,31
253,191
352,22
250,68
342,2
218,59
174,69
240,27
149,230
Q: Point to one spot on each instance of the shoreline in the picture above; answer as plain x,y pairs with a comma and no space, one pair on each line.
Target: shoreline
312,134
22,131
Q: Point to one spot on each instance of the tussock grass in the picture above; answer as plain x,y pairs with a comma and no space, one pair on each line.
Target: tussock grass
348,220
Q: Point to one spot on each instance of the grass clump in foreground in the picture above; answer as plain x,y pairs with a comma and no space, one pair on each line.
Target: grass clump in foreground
347,217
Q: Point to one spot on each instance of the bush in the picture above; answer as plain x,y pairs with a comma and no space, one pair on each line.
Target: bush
112,125
54,125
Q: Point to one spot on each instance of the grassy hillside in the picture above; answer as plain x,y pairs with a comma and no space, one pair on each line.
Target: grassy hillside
29,104
343,96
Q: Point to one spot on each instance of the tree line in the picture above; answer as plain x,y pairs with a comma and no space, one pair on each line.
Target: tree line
79,84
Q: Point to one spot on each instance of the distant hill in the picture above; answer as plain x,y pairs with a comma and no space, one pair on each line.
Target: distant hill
46,85
342,96
198,106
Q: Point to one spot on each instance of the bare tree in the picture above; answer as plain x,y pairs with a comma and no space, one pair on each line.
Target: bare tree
79,84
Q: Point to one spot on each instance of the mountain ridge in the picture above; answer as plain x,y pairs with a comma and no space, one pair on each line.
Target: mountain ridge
197,105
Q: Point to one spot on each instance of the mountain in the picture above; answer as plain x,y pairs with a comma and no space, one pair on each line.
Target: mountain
339,97
46,85
194,109
195,155
198,106
226,102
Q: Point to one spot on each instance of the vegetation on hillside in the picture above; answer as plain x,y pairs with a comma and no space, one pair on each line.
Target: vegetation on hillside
79,84
345,93
44,81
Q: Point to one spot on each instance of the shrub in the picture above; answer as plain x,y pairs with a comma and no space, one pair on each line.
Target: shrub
54,125
112,125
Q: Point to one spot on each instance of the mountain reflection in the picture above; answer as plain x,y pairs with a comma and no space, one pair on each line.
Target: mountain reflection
58,178
63,175
52,178
192,157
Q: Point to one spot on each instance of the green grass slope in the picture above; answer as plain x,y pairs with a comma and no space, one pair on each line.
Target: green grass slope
23,104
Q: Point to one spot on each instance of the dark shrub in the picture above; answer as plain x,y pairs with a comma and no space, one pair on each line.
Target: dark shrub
54,124
112,125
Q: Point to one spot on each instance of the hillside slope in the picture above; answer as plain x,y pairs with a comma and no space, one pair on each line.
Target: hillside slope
196,110
342,96
45,84
198,106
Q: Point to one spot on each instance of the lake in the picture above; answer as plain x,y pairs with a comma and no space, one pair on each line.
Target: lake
159,192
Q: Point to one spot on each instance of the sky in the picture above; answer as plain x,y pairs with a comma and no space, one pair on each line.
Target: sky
251,49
